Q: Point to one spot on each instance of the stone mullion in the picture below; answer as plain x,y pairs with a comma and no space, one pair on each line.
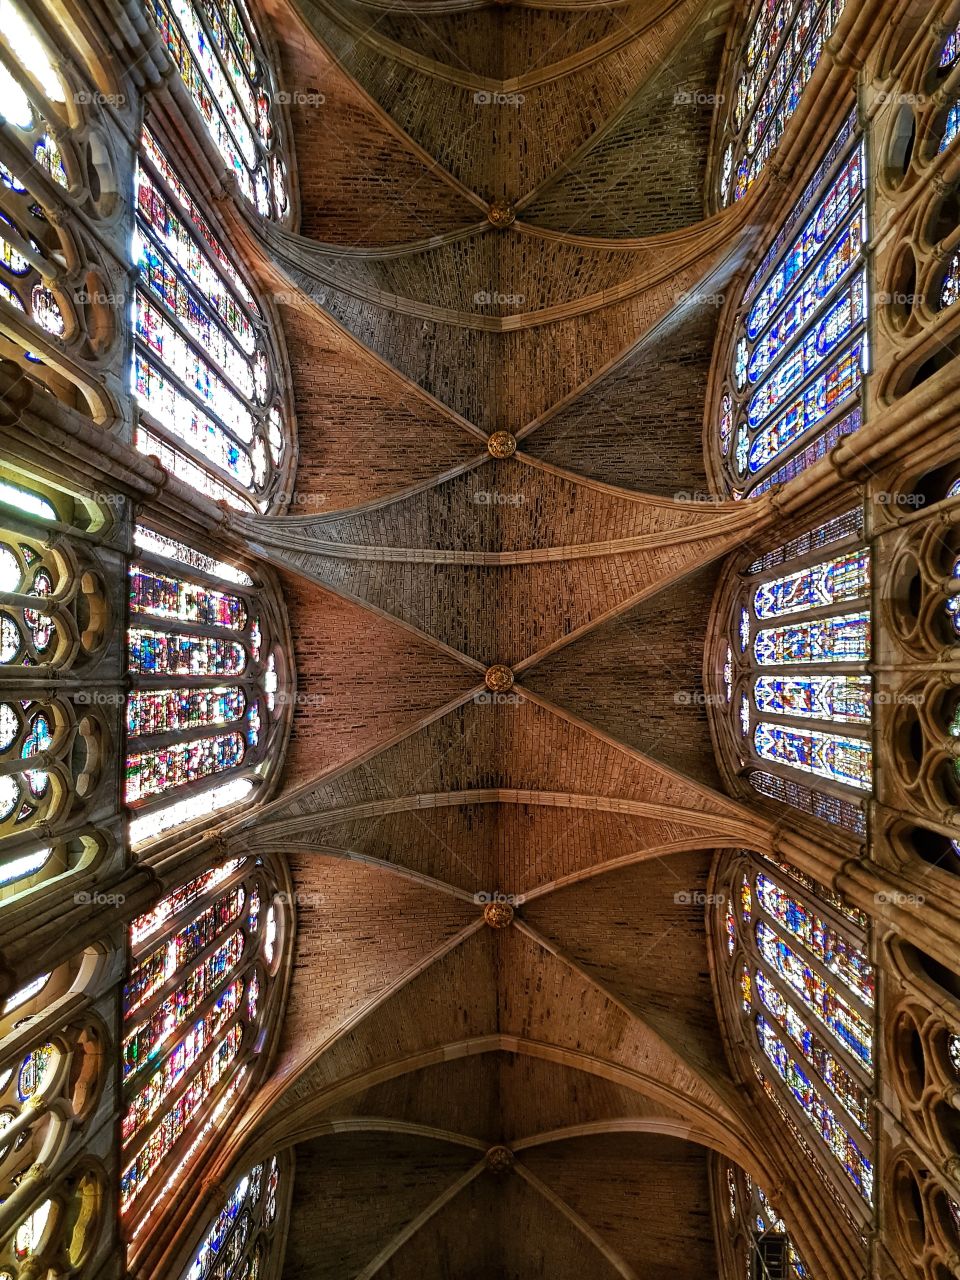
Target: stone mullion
839,1050
824,1231
48,930
137,1141
837,1047
136,1079
865,1141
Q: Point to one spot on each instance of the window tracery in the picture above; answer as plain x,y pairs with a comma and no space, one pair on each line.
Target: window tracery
202,722
195,999
795,366
53,1054
58,286
917,265
204,371
921,1034
215,47
54,621
800,974
754,1238
243,1238
780,47
800,698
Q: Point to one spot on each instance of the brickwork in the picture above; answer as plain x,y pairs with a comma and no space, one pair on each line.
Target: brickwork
359,183
641,425
354,1192
360,928
500,43
639,677
500,1097
503,151
344,705
361,429
644,173
638,931
648,1196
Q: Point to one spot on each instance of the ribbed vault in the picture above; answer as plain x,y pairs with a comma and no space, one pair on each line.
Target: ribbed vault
501,1056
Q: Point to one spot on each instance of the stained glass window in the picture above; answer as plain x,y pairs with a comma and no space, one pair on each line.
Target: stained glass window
800,352
808,992
40,619
781,47
215,47
51,1090
751,1218
34,114
241,1236
190,1027
806,613
199,708
202,366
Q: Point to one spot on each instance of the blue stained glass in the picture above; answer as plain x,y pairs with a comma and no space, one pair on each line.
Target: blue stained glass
851,1159
844,578
818,448
845,638
848,1027
842,957
832,1072
832,212
844,316
844,698
843,253
951,49
176,653
783,49
951,128
826,755
827,392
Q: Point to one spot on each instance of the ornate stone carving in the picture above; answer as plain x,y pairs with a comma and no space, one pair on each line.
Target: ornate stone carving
500,1159
499,678
501,214
501,445
498,915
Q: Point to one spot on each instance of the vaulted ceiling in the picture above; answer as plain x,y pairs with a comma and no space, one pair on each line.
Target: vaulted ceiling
502,228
